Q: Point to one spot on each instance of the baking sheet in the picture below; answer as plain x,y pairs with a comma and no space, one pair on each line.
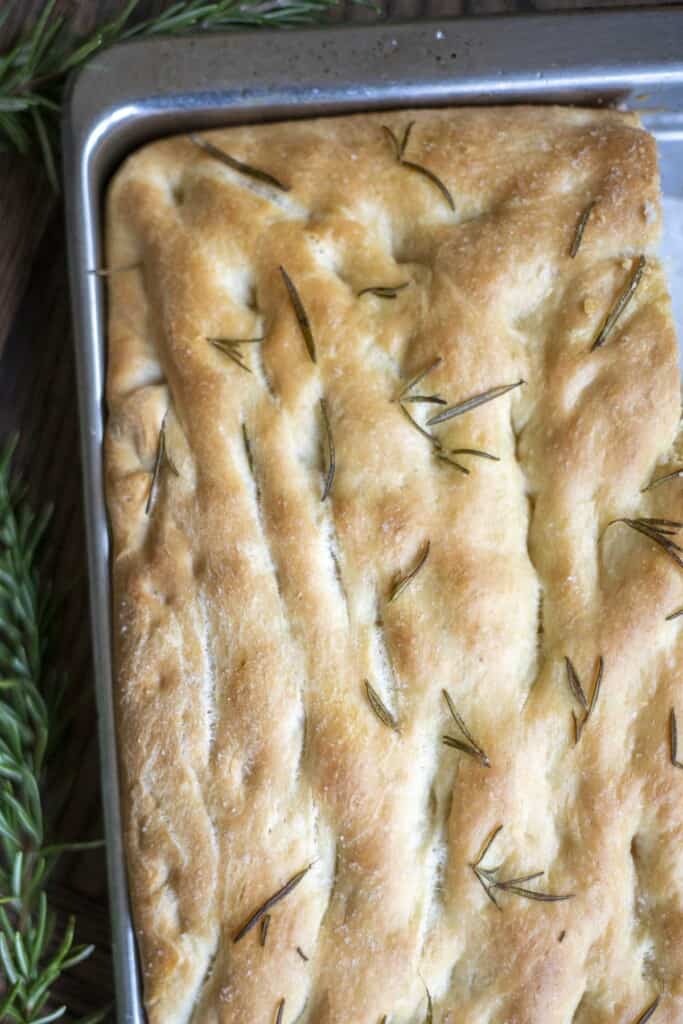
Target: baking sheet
142,90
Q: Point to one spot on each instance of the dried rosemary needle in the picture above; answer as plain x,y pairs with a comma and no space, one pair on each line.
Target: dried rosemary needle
401,584
331,460
580,228
621,304
399,149
673,740
258,914
379,707
300,313
473,403
237,165
469,744
384,291
161,459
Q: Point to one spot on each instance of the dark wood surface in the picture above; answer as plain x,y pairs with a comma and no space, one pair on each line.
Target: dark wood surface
38,398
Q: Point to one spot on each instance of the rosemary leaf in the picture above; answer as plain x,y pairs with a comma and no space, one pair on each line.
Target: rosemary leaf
108,271
580,228
646,1014
435,180
285,890
674,615
160,459
621,304
237,165
580,724
331,461
384,291
575,684
473,747
263,933
381,710
405,139
673,740
230,351
426,399
421,430
399,149
465,748
474,451
473,403
302,954
419,377
395,145
280,1011
452,462
300,313
532,894
429,1016
675,475
659,531
405,581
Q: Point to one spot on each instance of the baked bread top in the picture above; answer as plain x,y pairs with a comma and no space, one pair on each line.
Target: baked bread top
287,619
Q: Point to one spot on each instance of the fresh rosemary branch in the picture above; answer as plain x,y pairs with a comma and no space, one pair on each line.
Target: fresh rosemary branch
32,955
34,70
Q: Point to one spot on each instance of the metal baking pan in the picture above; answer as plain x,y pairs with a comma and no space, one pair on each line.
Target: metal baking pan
133,93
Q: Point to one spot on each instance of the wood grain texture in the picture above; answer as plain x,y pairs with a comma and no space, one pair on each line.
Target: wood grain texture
38,397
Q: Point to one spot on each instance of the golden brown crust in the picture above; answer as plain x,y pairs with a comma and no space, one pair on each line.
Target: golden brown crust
248,613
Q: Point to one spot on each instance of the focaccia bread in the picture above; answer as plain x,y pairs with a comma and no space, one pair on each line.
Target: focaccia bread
397,697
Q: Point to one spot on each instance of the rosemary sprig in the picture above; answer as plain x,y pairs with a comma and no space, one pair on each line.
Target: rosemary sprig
280,1011
473,403
647,1013
283,891
32,955
660,531
469,745
237,165
489,881
161,459
675,475
379,707
399,149
263,932
331,460
401,584
673,740
230,347
34,70
579,692
300,313
580,228
384,291
621,304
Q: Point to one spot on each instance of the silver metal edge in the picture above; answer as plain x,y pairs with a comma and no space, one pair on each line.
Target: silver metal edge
142,90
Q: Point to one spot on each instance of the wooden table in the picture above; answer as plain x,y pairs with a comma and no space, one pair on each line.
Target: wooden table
38,397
